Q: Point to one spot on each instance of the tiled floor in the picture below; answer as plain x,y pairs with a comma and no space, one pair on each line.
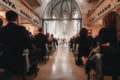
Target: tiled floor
60,66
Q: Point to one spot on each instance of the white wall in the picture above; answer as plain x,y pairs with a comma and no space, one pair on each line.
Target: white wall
58,28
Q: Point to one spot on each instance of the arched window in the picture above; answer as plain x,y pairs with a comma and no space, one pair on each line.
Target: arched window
63,17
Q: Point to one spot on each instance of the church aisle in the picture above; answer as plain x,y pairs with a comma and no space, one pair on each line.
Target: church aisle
61,66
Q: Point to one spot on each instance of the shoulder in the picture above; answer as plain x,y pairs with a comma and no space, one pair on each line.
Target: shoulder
37,35
12,26
21,27
5,28
103,29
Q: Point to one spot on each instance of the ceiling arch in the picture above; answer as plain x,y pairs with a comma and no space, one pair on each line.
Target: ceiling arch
61,7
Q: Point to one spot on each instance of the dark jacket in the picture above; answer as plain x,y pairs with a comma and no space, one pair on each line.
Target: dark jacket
84,46
108,35
40,41
15,39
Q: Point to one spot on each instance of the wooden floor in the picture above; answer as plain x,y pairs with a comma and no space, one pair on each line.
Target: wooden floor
60,66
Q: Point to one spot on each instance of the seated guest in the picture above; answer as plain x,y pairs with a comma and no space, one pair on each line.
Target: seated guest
75,42
49,41
95,41
91,39
71,42
40,41
108,33
15,40
108,36
56,42
84,45
53,42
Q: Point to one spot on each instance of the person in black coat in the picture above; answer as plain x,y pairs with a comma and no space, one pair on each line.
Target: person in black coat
54,41
15,40
84,45
40,41
108,35
92,40
107,38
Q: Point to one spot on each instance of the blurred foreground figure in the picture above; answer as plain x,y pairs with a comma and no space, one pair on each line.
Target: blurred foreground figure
14,39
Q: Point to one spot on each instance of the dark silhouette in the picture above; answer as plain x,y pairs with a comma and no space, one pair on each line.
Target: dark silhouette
84,45
15,40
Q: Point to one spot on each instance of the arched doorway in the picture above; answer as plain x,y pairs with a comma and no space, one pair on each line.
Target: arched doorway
62,18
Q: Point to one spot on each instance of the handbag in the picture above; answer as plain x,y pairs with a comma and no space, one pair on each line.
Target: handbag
93,51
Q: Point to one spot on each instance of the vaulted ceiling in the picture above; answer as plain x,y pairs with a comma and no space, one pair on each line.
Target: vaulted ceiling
62,9
84,5
39,5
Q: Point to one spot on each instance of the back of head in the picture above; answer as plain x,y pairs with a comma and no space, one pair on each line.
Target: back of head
113,20
47,34
11,16
83,32
52,35
110,20
40,30
1,22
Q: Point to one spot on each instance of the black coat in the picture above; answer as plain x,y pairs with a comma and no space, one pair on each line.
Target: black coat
40,41
84,46
108,35
15,39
